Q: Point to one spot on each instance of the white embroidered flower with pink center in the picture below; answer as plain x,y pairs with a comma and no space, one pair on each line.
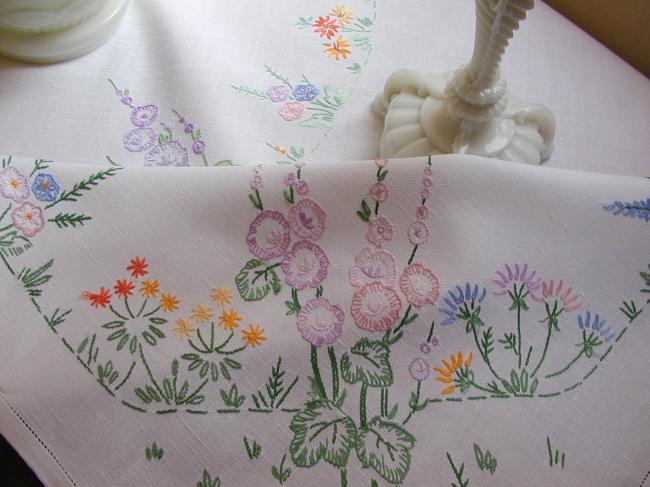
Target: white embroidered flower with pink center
380,230
418,233
551,291
13,185
419,285
422,213
269,235
292,110
375,307
305,265
28,218
379,192
372,265
320,322
307,219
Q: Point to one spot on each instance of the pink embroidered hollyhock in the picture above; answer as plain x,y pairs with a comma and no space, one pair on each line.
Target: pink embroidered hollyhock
552,291
292,110
418,233
380,230
372,265
307,219
268,236
379,192
375,307
320,322
419,285
13,185
305,265
422,213
28,218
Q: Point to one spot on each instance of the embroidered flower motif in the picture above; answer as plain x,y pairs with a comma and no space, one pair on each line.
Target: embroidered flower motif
167,154
425,347
198,147
422,213
306,92
446,374
305,265
13,185
425,193
290,179
150,288
189,128
325,27
169,302
278,93
302,187
45,187
634,209
183,328
596,325
144,115
320,322
337,49
268,236
256,182
307,219
138,267
123,288
419,369
372,265
98,300
457,303
419,285
229,319
138,140
519,275
380,230
221,295
375,307
28,218
201,313
381,162
280,150
299,164
126,100
379,192
292,110
550,290
253,336
344,14
418,233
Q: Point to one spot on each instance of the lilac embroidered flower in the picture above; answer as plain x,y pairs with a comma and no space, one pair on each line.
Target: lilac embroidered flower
45,187
419,369
558,292
419,285
168,154
299,165
198,147
381,162
380,230
182,119
379,192
458,304
425,347
13,185
434,341
290,179
305,265
127,100
422,213
375,307
268,236
320,322
597,325
306,92
307,219
256,182
278,93
28,218
292,110
516,274
144,115
301,186
418,233
189,128
141,139
372,265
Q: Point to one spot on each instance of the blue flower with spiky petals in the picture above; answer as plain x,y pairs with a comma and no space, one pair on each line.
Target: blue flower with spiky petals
461,303
597,325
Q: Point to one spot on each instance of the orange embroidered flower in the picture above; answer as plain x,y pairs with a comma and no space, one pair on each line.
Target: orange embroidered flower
325,27
229,320
253,336
343,14
183,328
169,302
222,295
149,288
138,267
279,149
123,288
201,313
337,49
446,374
100,299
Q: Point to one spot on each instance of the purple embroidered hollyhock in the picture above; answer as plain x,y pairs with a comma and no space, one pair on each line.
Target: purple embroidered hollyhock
306,92
307,219
320,322
268,236
144,115
167,154
305,265
141,139
198,147
278,93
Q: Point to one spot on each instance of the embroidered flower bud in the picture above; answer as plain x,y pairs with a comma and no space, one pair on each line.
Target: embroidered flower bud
290,179
198,147
425,347
422,213
302,187
189,128
256,182
434,341
419,369
127,100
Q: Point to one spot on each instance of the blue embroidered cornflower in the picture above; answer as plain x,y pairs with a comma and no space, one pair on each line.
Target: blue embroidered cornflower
634,209
45,187
462,303
597,325
306,92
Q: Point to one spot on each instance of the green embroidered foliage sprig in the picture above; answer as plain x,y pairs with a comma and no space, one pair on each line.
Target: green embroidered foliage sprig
64,220
84,185
254,450
232,398
57,318
169,392
13,244
280,473
458,473
208,481
6,162
630,310
646,277
153,452
39,164
276,392
485,461
32,279
554,457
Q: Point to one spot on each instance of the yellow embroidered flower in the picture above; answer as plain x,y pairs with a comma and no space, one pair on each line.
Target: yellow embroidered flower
222,295
446,374
343,13
337,49
149,288
279,149
201,313
169,302
253,336
229,320
183,328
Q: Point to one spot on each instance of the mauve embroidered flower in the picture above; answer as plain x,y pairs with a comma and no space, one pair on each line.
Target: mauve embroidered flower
28,218
418,233
422,213
289,179
419,369
45,187
320,322
278,93
301,186
372,265
381,162
380,230
516,274
198,147
305,265
144,115
189,128
167,154
141,139
256,182
13,184
292,110
127,100
419,285
379,192
307,219
375,307
305,92
268,236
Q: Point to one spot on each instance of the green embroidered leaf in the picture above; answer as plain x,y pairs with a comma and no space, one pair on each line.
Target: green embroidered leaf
122,342
208,481
64,220
322,431
385,447
117,334
113,324
149,338
84,185
367,362
255,280
157,321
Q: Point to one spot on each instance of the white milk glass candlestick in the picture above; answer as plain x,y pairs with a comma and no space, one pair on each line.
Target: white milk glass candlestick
469,111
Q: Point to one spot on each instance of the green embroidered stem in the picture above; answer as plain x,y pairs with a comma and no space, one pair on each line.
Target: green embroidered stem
384,402
146,315
414,403
318,380
485,358
150,374
362,405
110,306
404,319
568,366
144,304
7,264
128,309
126,377
541,360
415,248
518,334
344,477
430,335
335,373
4,213
6,227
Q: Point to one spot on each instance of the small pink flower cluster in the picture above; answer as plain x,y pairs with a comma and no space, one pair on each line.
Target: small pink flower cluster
418,232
